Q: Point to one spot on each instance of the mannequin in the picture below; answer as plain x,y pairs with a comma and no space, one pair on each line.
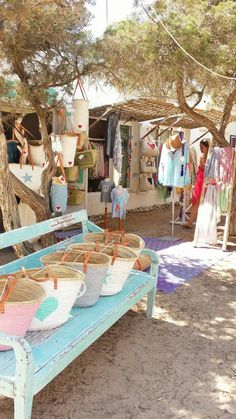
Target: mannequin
119,200
106,186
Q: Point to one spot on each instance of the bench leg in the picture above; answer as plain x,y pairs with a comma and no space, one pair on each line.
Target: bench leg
150,302
23,406
23,391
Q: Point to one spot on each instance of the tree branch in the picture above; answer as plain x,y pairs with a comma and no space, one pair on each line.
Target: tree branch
202,120
230,101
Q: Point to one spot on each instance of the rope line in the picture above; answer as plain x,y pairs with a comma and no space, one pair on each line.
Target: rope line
182,49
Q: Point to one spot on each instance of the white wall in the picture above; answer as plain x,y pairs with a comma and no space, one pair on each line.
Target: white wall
148,198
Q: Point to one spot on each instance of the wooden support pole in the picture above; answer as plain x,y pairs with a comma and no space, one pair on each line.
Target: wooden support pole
105,218
229,209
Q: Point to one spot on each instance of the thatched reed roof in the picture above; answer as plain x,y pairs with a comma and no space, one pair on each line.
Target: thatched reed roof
11,106
145,109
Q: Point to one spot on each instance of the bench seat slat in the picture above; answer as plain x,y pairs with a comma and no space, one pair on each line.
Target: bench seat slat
49,345
62,348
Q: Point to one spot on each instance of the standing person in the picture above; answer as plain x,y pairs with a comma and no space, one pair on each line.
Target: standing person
204,147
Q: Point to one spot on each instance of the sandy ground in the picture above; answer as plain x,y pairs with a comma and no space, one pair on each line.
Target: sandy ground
181,364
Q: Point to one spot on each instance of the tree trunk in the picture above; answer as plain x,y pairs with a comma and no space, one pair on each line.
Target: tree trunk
38,205
202,120
8,204
50,169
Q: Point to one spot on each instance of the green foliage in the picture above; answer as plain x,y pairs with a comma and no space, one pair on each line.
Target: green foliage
45,43
140,57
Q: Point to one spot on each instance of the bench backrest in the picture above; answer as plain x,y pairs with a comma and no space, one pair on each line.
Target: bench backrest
34,230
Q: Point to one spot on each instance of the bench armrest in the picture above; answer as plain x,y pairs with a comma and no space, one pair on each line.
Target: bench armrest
154,268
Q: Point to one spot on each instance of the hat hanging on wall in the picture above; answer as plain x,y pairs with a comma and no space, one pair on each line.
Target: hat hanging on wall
174,142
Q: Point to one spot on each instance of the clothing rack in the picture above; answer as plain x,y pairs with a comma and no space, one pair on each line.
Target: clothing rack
229,213
184,209
97,140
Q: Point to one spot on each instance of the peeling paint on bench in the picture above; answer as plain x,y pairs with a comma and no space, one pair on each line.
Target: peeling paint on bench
41,356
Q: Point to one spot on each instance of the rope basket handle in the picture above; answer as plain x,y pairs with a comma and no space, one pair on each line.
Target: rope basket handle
79,84
86,259
97,247
9,285
115,253
121,235
53,276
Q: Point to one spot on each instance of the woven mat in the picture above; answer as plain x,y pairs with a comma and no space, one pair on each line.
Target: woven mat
181,261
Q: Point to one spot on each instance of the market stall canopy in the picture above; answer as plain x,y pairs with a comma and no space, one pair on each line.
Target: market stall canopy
145,109
15,107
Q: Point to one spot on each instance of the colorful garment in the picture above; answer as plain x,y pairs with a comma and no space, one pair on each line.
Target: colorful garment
165,173
119,197
207,217
197,190
117,152
174,167
181,175
106,187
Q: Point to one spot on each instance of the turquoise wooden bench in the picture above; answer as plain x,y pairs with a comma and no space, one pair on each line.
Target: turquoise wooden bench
41,356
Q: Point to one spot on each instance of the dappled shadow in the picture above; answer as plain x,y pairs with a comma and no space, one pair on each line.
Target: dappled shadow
181,364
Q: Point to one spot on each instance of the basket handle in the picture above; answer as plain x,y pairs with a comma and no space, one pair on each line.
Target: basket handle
53,276
115,253
121,235
86,259
79,84
10,284
97,247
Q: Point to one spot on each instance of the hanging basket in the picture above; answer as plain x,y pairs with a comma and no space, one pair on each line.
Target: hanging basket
59,196
72,173
62,286
132,241
37,153
81,113
144,184
82,140
94,265
86,159
68,145
148,164
20,299
122,260
149,147
75,195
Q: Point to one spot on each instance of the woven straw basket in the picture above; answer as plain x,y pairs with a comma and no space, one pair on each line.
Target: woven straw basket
62,285
132,241
122,260
94,265
20,299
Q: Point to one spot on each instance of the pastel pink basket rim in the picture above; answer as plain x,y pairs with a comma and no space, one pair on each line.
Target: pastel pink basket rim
39,298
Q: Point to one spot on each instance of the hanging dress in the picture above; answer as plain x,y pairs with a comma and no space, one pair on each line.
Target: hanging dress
199,181
119,197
